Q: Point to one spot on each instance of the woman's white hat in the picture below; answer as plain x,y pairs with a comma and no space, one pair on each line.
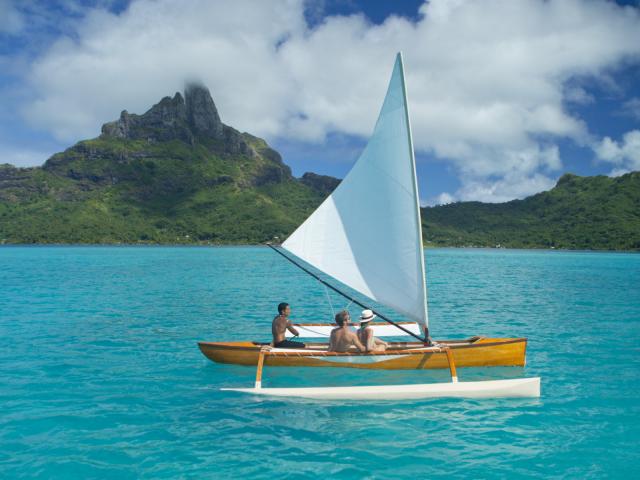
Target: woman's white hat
366,316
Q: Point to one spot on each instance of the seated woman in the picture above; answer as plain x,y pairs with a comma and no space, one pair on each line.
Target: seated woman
365,334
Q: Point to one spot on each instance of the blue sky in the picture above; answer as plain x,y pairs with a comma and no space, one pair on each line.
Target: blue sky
505,96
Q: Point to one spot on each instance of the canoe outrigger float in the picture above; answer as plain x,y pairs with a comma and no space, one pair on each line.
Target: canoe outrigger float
512,388
368,235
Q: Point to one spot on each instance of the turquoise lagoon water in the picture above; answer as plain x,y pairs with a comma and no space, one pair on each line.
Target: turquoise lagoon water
100,375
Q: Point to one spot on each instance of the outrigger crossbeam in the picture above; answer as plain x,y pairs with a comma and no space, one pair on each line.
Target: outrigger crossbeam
519,387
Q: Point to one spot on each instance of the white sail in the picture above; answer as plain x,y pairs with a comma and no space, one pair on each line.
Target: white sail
367,233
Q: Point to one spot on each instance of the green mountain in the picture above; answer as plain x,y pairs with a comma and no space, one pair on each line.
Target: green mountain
176,174
599,213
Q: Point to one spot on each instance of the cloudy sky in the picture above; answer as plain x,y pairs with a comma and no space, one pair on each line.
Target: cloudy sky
505,95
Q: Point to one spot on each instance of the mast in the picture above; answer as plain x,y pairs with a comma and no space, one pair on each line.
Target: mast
367,232
415,193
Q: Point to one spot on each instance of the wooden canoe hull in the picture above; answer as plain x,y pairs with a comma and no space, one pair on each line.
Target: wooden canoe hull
478,352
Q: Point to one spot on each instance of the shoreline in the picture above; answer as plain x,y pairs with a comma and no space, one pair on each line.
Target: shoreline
253,245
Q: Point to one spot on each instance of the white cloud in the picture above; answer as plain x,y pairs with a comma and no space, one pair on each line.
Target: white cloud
487,80
132,60
617,172
625,155
444,199
510,186
23,157
578,95
632,108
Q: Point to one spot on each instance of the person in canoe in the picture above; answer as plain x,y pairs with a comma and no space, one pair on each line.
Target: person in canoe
280,325
342,338
365,334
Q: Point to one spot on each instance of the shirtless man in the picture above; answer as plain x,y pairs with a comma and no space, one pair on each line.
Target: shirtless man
342,338
365,334
280,325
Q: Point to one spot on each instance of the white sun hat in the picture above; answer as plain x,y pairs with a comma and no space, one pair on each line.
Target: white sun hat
366,316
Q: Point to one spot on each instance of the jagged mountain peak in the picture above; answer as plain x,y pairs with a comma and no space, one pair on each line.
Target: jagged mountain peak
190,118
201,111
185,118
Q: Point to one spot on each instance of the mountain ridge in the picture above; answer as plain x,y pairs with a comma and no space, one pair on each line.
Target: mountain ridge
177,174
597,213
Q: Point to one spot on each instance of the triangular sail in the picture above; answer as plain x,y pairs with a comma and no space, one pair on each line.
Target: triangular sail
367,233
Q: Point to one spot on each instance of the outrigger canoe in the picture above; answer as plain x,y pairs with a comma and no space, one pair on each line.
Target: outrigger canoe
367,234
471,352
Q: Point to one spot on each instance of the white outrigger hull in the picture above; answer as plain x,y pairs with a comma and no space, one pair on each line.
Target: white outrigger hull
512,388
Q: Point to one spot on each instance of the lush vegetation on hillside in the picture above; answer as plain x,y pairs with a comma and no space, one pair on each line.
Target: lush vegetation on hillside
175,174
579,213
101,191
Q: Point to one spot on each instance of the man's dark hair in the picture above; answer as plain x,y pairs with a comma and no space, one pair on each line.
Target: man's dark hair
341,317
281,307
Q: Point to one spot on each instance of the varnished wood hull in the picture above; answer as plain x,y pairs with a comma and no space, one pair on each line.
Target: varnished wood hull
476,352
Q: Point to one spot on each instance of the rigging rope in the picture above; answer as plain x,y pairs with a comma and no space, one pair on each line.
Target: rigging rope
320,334
353,300
326,290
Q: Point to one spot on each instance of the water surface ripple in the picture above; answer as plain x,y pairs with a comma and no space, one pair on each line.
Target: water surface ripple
102,378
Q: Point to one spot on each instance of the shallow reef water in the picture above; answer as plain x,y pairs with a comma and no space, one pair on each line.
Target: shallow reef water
101,376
